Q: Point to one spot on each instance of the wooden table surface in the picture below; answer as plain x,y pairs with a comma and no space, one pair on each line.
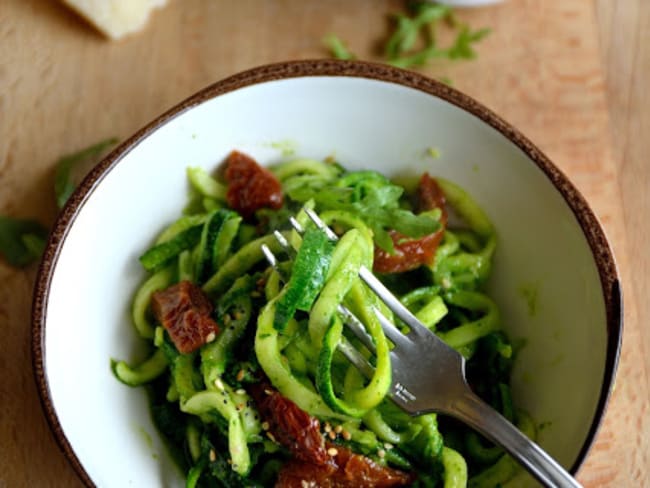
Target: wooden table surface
571,74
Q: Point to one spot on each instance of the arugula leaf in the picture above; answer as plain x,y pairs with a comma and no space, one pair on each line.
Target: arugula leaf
21,240
462,48
404,37
407,30
373,198
63,181
337,47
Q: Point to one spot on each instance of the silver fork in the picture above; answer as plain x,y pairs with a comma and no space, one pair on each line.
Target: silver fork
429,376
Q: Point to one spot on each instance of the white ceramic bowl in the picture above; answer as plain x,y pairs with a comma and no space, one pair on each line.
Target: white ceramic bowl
368,116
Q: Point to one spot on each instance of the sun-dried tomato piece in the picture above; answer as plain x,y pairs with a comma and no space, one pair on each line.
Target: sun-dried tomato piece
411,253
345,470
429,196
184,310
250,186
289,425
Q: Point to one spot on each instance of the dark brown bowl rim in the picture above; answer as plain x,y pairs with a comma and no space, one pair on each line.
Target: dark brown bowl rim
591,228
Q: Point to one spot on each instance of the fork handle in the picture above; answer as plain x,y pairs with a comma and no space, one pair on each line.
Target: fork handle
480,416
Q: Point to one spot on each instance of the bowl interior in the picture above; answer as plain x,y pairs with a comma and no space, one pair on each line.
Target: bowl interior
545,279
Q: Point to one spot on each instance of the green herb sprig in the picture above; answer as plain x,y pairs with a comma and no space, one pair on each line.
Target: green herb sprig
419,28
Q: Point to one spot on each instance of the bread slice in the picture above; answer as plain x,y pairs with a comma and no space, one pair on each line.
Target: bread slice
116,18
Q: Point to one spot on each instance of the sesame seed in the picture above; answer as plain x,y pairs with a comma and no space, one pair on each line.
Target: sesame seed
346,435
213,455
332,435
338,429
210,337
265,426
328,427
332,451
241,391
219,384
270,436
304,484
240,375
268,392
381,453
388,445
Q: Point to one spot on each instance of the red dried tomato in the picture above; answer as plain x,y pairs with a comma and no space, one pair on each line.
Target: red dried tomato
184,310
411,253
429,196
345,470
290,426
250,186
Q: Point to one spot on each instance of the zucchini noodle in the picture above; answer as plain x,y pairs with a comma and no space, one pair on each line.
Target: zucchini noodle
282,324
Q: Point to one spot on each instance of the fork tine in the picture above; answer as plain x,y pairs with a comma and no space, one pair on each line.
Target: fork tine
281,239
392,302
357,328
320,224
393,333
296,225
270,257
355,358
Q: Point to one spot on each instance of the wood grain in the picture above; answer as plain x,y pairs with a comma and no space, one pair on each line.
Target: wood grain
624,33
62,86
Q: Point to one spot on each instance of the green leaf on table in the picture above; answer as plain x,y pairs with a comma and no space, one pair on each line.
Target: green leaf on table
22,241
337,47
408,29
64,183
462,48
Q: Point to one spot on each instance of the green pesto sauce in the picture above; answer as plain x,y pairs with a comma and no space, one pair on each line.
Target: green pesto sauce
530,293
147,438
433,152
286,147
149,441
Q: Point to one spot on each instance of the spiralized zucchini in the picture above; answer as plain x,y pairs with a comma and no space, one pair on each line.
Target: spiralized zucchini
283,324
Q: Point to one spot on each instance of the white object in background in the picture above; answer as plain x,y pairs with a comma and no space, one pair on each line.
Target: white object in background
116,18
468,3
